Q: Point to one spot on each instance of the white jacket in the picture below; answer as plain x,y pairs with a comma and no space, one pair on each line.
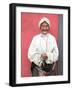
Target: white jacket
43,44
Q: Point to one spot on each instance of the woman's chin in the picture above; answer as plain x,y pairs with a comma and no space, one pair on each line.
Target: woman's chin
44,33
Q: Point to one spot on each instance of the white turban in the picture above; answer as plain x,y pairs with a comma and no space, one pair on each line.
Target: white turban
44,19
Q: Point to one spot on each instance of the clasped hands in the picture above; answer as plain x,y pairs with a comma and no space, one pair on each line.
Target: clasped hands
44,56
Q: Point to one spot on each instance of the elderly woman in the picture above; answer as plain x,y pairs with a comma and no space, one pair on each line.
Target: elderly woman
43,50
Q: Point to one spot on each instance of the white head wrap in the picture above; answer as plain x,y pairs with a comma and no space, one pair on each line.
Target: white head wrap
44,19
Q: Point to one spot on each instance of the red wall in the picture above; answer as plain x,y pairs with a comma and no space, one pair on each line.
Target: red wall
29,28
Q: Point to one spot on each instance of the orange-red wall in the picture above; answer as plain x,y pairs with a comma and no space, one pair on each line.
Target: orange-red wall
29,28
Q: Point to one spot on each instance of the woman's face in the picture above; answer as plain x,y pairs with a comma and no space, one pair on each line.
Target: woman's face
44,28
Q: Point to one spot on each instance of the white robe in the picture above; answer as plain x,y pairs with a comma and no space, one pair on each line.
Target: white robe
43,44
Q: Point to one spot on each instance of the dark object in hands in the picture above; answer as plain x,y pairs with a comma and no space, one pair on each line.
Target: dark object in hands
46,67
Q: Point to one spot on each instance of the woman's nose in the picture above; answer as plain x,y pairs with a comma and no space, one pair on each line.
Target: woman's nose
45,28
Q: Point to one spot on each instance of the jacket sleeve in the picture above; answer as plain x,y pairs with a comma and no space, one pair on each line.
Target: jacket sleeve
33,54
53,55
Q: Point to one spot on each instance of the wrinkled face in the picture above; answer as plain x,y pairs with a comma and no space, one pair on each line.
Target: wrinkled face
44,27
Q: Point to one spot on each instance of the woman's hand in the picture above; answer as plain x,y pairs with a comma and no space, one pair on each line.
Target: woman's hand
44,56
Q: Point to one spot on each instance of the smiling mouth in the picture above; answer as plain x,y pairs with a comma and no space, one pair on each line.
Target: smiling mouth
44,32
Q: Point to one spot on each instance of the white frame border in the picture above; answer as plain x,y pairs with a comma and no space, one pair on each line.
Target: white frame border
64,77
